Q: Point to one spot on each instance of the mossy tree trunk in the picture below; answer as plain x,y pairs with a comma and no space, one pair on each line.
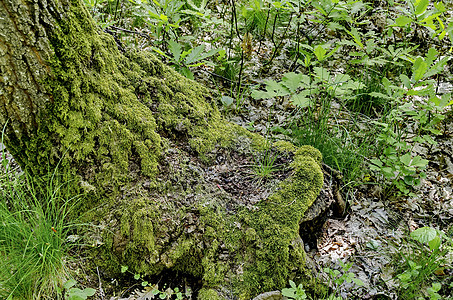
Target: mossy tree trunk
149,150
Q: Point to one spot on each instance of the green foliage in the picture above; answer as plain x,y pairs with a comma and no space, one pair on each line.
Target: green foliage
294,292
73,293
152,290
265,164
34,240
426,255
397,163
335,279
182,60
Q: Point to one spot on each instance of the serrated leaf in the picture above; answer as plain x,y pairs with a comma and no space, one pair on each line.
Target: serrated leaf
380,95
294,81
136,276
419,69
403,21
437,67
194,55
320,52
340,78
257,94
175,49
431,56
277,88
321,73
300,100
124,269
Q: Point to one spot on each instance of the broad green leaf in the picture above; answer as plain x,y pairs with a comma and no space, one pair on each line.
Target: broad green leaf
417,161
186,72
294,81
380,95
257,94
124,269
434,244
194,55
406,159
438,67
419,69
356,36
300,100
321,73
424,235
163,18
442,102
440,7
431,56
420,6
70,283
136,276
226,100
320,52
403,21
209,53
175,49
289,293
341,78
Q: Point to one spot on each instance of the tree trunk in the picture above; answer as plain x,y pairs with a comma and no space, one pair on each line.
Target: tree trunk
161,171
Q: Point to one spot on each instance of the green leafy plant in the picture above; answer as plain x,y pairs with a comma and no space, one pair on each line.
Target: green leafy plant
182,60
397,163
296,292
73,293
337,277
265,164
425,256
152,290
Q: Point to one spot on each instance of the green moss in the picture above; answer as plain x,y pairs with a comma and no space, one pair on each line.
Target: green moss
310,152
110,121
208,294
266,245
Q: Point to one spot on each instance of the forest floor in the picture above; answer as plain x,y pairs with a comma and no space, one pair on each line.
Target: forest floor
374,234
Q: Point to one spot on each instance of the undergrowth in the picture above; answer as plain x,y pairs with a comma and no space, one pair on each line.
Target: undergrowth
35,234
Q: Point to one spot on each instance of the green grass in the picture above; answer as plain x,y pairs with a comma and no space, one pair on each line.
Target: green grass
34,227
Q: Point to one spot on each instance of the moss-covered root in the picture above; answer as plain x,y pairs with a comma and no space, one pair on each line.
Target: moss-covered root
264,244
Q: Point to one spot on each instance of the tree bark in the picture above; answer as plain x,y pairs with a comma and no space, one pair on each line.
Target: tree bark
160,170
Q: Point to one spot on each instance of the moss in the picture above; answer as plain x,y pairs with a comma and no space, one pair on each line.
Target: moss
208,294
266,245
285,146
310,152
110,122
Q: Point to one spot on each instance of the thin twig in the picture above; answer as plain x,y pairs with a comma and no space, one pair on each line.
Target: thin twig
130,31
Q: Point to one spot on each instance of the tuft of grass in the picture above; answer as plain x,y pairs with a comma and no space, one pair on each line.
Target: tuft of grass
34,227
265,165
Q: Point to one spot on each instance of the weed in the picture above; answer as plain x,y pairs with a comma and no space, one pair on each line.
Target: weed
33,240
33,235
425,256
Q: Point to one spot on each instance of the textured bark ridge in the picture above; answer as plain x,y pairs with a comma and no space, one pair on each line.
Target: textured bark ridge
166,178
